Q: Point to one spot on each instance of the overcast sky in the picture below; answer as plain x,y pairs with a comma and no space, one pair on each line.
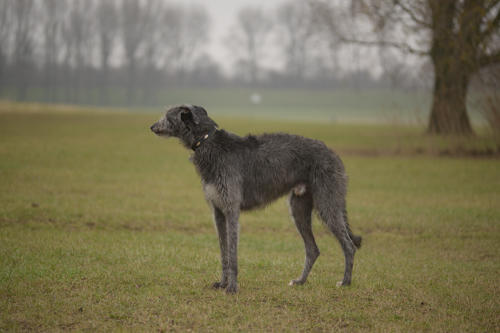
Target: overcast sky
223,15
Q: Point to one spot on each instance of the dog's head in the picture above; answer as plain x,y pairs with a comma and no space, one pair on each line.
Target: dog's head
186,122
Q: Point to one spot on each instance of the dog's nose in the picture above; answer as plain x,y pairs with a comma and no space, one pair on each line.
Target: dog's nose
153,127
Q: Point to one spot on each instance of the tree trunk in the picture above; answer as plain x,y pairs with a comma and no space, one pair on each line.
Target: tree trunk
451,52
449,111
104,85
22,81
131,82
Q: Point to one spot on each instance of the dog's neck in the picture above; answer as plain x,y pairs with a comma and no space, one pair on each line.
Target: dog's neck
198,142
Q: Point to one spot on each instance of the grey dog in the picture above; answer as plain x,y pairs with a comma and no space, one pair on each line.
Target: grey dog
239,174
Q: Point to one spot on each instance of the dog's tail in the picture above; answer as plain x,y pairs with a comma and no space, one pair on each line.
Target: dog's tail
355,239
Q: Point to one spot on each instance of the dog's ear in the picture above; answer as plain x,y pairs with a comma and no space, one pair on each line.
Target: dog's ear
203,113
201,110
187,115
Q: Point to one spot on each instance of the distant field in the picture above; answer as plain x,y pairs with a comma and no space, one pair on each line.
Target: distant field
382,106
331,106
379,106
103,226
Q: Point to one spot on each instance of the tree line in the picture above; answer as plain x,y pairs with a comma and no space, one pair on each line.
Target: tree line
71,49
129,51
104,51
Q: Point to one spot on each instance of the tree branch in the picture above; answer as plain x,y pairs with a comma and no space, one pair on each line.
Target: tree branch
402,46
491,26
489,59
412,14
492,4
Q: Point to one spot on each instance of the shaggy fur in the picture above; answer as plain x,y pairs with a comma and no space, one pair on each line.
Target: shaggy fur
240,174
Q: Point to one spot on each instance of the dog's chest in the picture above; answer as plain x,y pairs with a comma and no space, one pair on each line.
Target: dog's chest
212,194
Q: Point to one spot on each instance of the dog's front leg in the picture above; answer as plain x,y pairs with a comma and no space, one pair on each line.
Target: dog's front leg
232,249
220,223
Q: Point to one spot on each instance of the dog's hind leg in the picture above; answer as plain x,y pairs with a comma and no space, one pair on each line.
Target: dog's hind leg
220,223
331,209
301,205
336,223
340,231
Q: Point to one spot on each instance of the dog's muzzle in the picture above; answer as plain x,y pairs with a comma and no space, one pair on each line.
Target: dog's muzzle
156,128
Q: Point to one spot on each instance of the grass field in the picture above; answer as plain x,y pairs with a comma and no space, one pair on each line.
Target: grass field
376,106
103,226
299,104
337,106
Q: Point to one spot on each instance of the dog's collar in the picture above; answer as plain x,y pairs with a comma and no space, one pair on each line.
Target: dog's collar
204,137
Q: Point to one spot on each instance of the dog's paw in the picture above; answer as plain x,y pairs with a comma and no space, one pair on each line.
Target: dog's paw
342,284
232,288
219,285
296,282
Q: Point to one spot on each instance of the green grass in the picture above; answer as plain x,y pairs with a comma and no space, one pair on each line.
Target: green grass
104,226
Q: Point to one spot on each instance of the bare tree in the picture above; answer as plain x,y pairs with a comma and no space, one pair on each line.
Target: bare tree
294,19
5,33
23,44
53,19
152,56
132,35
78,37
71,46
248,41
68,51
186,30
107,33
457,35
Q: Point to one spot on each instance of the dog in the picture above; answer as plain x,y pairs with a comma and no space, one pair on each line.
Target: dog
243,173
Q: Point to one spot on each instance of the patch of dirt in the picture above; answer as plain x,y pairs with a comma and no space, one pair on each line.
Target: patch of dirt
472,153
458,152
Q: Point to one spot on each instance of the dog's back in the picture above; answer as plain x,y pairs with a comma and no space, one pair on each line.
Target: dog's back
271,165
